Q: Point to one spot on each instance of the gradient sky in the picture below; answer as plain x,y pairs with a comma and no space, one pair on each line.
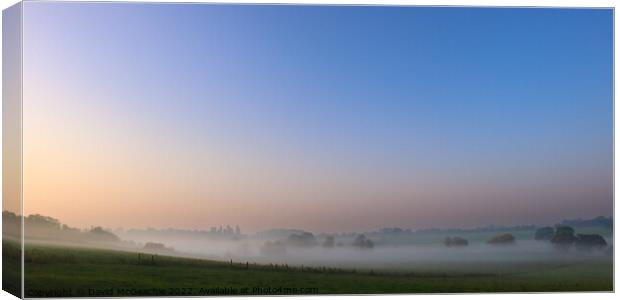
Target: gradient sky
322,118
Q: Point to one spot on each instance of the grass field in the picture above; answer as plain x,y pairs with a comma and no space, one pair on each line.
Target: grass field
66,271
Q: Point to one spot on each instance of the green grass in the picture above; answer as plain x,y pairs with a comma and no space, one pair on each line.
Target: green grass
11,267
64,271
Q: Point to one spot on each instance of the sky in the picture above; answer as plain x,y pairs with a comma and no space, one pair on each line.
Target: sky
326,118
11,105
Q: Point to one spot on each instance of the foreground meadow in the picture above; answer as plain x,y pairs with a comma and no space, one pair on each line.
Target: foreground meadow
60,271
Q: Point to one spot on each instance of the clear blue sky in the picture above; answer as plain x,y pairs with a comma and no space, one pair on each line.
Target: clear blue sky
418,116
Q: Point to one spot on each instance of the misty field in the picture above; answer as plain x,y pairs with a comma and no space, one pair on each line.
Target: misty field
70,271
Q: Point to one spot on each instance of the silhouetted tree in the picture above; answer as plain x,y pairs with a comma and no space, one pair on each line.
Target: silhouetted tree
273,248
157,247
455,241
229,230
305,239
502,239
98,234
590,242
600,221
329,242
42,221
361,241
564,236
544,234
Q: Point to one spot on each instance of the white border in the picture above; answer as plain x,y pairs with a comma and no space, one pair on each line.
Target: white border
530,3
504,3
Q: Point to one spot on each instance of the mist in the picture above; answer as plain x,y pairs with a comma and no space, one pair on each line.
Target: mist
434,257
485,250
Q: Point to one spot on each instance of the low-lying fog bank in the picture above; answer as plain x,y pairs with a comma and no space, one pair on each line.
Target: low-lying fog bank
475,258
488,249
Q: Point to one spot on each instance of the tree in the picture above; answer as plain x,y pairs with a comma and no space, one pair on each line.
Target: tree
329,242
98,234
502,239
305,239
361,241
564,236
273,248
157,247
544,234
455,242
589,242
42,221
